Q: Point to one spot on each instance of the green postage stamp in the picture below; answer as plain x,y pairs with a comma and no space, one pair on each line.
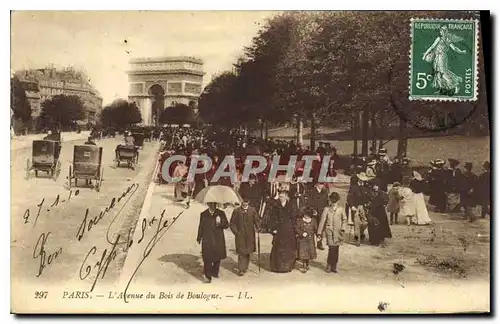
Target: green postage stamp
443,59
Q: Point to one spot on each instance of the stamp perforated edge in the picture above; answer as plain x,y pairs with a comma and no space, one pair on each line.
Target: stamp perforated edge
476,62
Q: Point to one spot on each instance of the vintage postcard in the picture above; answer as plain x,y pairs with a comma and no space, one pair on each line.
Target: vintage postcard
257,162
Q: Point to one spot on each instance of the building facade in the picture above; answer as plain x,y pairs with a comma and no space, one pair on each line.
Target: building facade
157,83
51,81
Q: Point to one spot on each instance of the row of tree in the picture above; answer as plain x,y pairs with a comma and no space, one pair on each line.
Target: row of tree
60,111
332,69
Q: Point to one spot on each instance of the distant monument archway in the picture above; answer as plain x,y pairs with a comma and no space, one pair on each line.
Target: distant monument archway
160,82
157,94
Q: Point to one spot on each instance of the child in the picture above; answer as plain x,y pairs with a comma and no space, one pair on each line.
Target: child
407,204
305,227
393,204
333,222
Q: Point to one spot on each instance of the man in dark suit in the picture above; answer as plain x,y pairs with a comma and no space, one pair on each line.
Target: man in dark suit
244,223
213,221
453,183
317,200
252,190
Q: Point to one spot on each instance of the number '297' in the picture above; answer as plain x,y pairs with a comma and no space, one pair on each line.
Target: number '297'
41,294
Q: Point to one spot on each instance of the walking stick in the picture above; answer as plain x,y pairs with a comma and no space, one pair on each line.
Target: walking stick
261,211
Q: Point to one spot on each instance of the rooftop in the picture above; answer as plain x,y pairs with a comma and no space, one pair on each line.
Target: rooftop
167,59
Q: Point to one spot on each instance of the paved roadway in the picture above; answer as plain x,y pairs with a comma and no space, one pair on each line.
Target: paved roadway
58,223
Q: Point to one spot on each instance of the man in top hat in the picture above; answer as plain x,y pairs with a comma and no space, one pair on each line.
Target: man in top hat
483,190
453,182
437,183
244,223
357,199
383,169
317,200
252,190
467,194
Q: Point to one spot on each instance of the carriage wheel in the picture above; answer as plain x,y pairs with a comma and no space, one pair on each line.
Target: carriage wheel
28,167
69,177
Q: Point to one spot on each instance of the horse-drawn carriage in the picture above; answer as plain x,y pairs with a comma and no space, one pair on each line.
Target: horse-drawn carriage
45,157
87,164
128,154
138,139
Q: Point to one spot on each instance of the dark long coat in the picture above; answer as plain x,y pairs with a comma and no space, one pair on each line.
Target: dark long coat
253,192
378,225
468,198
317,200
211,235
306,246
243,224
284,250
437,183
483,188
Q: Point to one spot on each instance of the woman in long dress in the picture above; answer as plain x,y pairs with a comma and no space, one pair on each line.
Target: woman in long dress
407,208
417,186
282,227
378,225
444,80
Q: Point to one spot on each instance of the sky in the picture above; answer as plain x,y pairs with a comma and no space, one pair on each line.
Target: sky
103,42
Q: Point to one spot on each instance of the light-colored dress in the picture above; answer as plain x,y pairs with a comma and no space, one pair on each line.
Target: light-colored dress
407,203
421,213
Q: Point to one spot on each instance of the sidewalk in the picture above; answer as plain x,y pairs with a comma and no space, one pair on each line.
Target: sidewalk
19,142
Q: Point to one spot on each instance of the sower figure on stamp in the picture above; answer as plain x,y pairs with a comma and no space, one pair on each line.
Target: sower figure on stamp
444,80
213,221
244,223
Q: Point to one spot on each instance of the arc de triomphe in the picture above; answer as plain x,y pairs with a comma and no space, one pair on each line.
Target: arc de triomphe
160,82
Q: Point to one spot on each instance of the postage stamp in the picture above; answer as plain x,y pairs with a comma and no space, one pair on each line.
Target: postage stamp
443,60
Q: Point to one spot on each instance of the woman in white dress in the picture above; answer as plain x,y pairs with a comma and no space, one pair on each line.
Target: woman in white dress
407,203
417,186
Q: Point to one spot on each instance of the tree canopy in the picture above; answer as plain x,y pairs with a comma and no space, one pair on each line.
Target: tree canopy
62,111
178,114
19,101
120,113
328,67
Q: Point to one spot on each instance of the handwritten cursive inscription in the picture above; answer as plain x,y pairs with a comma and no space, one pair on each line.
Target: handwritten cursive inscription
58,201
162,227
130,191
101,266
87,224
39,252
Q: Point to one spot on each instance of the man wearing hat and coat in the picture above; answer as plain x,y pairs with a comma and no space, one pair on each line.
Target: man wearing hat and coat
453,183
467,194
357,199
317,200
437,183
244,222
383,169
483,190
213,222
